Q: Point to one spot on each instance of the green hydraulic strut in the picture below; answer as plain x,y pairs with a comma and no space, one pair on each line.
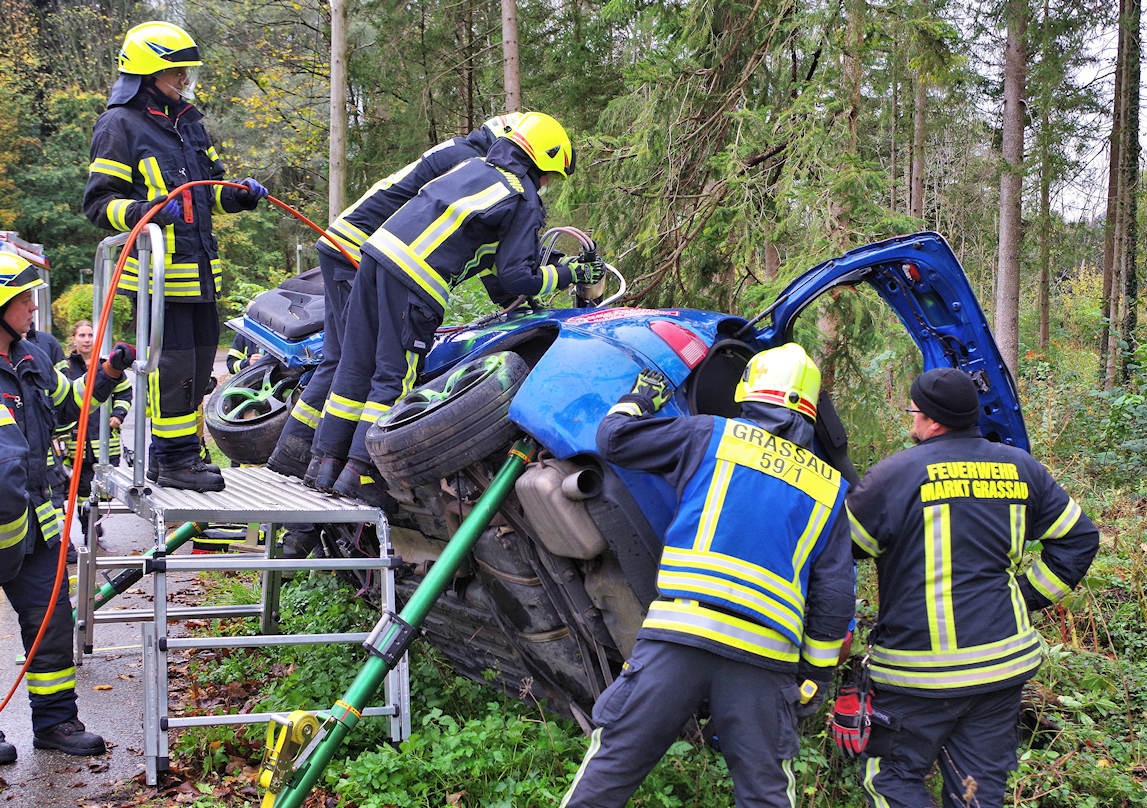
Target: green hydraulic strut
297,755
120,583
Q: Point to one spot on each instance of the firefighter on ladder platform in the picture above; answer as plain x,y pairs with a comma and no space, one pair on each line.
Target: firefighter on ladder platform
150,141
36,396
947,521
350,230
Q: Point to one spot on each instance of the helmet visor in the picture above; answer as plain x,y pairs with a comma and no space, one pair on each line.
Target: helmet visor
179,81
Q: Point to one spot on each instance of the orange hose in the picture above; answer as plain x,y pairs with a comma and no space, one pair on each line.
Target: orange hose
85,404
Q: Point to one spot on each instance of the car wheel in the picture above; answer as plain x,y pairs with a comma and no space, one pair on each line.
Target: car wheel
445,425
247,412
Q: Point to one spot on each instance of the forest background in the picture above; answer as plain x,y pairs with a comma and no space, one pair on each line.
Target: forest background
723,147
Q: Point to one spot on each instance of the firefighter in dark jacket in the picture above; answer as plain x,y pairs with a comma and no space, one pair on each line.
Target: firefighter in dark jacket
148,142
35,397
242,354
755,585
350,230
948,522
75,366
482,210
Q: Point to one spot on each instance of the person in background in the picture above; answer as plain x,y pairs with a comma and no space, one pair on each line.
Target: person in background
948,521
34,397
242,354
81,347
293,452
150,141
755,585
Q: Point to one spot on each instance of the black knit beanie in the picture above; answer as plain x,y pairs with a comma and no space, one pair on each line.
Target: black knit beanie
947,396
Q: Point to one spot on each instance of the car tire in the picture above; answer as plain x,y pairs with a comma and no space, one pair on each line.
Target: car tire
248,411
443,426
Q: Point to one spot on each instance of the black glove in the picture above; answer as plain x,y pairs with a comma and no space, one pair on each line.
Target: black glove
122,356
251,193
653,386
169,212
586,269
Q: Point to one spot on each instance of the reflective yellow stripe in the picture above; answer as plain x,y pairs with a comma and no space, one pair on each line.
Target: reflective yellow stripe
714,502
983,654
12,533
117,213
372,410
871,770
48,518
306,414
692,618
820,653
861,537
153,178
1046,582
173,426
594,746
1066,521
102,165
45,684
413,265
938,577
625,408
341,407
455,216
929,679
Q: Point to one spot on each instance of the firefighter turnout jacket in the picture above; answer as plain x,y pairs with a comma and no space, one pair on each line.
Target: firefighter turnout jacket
13,492
36,396
481,211
948,522
356,224
757,565
75,368
142,150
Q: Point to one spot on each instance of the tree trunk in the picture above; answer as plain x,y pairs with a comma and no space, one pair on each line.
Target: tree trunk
1118,116
1128,186
511,66
1011,186
919,122
336,186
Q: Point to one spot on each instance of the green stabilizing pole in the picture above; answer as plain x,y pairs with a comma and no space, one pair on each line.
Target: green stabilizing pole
393,635
120,583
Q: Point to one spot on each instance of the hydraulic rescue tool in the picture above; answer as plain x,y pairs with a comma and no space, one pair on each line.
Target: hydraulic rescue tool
297,754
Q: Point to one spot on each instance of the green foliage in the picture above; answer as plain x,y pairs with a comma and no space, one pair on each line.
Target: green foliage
76,304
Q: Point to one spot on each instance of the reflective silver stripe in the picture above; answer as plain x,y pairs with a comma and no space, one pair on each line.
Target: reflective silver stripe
455,216
306,414
102,165
820,653
12,533
594,746
871,771
624,408
690,618
117,213
173,426
972,655
153,178
1066,521
964,677
861,537
1046,582
372,410
413,265
711,510
752,574
47,517
938,571
43,684
353,245
341,407
549,279
732,592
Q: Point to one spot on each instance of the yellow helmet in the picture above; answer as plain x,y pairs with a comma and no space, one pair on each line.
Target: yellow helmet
16,276
154,46
784,376
546,143
503,125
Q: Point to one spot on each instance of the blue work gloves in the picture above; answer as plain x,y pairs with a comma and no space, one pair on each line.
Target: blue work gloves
169,213
651,390
251,193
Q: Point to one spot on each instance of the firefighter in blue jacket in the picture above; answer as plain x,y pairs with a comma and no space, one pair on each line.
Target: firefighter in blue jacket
350,230
948,522
482,210
150,141
755,585
35,397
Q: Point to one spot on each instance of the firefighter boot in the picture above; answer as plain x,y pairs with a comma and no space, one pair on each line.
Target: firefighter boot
360,480
326,474
71,738
290,457
7,751
195,476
